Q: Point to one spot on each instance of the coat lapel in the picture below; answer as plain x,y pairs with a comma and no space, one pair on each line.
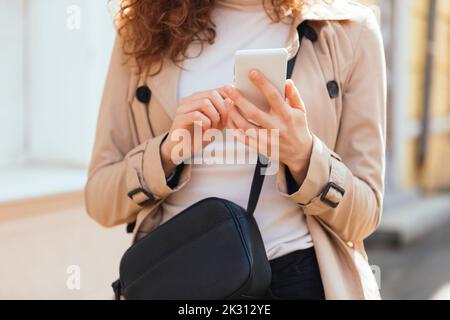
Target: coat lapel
164,86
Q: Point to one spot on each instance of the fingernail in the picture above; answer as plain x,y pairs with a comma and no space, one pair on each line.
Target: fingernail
228,90
254,73
228,102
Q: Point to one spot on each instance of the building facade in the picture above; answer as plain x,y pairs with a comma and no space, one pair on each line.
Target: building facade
417,42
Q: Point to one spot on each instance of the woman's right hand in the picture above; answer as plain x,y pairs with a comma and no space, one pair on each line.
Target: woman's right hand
208,109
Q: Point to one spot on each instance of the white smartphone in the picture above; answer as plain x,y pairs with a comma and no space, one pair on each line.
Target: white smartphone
271,62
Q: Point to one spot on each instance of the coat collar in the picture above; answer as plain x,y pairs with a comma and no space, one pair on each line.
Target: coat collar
164,85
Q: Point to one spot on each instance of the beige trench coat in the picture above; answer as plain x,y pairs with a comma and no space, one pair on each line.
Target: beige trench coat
349,143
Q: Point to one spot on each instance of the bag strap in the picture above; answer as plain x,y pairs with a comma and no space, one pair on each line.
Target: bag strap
257,184
301,33
259,176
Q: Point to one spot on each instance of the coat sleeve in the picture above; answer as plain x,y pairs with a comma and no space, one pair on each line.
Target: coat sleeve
357,164
123,177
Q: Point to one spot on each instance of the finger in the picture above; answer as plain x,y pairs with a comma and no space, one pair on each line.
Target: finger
205,106
189,119
250,136
221,106
215,97
293,96
272,95
238,133
203,93
198,95
249,141
211,112
248,109
240,122
258,142
223,92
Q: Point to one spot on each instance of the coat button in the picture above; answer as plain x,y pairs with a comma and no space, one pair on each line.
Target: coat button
143,94
350,244
310,33
333,89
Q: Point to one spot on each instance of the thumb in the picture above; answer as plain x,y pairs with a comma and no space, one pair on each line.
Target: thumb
293,96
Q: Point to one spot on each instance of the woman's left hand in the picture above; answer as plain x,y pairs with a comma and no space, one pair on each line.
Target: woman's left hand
287,115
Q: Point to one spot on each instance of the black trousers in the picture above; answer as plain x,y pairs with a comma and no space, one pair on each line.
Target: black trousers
296,276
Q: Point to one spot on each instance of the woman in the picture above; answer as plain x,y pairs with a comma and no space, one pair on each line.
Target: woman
327,196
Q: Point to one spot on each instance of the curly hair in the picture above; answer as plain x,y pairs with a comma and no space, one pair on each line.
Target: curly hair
152,30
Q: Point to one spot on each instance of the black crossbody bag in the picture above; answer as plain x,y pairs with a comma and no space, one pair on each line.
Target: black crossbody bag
212,250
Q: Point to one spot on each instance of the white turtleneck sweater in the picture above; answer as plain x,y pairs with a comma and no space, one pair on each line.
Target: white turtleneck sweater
240,24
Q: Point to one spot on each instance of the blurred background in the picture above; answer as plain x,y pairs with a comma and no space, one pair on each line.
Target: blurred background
54,56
